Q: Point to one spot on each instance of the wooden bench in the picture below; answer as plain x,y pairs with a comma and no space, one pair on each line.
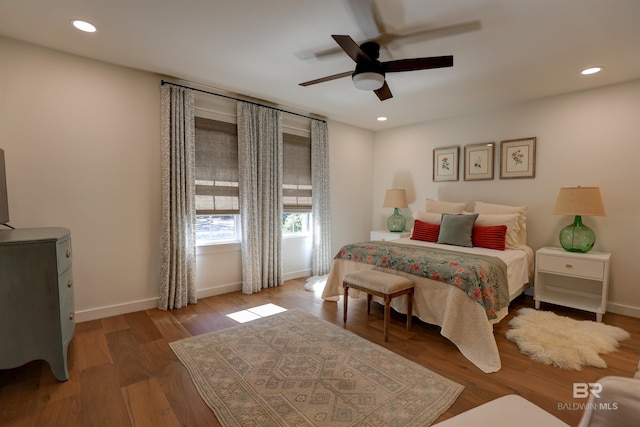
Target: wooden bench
384,285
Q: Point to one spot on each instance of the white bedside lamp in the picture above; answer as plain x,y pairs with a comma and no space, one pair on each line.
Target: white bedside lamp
396,198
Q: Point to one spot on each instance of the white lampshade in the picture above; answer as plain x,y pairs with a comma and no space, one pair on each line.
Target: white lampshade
583,201
368,81
395,198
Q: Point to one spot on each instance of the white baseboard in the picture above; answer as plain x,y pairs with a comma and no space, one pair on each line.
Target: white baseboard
218,290
297,274
130,307
626,310
114,310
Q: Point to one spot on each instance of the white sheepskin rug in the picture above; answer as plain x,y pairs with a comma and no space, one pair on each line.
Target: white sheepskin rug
561,341
316,283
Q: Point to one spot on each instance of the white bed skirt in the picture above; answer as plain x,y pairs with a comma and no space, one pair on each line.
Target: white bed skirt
462,320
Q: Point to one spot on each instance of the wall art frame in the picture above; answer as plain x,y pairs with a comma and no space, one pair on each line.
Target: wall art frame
445,163
478,161
518,158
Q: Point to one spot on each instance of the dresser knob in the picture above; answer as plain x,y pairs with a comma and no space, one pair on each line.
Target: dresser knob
72,315
569,266
70,283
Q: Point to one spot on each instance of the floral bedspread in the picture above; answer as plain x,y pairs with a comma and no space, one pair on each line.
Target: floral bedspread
481,277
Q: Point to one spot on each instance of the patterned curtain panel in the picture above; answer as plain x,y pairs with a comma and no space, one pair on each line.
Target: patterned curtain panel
321,207
177,275
260,180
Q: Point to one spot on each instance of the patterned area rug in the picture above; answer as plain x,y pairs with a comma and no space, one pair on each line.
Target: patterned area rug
293,369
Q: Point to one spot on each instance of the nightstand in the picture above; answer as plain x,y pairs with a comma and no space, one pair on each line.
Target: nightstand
572,279
388,235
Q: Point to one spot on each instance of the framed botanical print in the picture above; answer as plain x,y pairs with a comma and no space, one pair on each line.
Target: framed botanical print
518,158
445,163
478,161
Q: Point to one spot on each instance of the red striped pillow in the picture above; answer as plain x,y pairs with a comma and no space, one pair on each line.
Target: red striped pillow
491,237
425,231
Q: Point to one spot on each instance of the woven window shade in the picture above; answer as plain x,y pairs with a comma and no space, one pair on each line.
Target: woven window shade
296,190
216,168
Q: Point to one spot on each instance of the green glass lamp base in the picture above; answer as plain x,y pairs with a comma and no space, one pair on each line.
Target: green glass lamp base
396,222
577,237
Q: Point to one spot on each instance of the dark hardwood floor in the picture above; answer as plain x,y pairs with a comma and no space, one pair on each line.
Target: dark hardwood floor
123,372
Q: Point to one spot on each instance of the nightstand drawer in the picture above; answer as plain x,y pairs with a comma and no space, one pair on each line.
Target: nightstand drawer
592,269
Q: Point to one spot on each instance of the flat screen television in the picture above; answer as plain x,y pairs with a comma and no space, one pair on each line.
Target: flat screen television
4,201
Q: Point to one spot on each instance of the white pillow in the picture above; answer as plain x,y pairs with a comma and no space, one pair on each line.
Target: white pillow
492,208
438,206
512,221
430,217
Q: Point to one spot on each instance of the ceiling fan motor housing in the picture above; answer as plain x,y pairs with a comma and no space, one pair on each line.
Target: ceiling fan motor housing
369,73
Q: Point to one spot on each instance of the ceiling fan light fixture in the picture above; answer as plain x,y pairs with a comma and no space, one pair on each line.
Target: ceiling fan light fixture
368,81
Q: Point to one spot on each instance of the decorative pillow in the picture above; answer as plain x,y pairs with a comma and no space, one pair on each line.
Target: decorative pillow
438,206
433,218
492,208
457,229
512,221
425,231
492,237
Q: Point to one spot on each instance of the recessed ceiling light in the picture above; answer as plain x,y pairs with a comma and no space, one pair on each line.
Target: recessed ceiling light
84,26
381,119
591,70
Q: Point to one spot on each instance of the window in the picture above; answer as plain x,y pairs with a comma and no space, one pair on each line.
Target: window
298,223
296,159
217,190
217,201
217,228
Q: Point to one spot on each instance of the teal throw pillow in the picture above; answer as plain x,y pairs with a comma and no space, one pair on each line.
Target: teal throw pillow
457,229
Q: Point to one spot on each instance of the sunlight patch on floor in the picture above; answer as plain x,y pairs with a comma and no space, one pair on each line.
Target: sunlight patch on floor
254,313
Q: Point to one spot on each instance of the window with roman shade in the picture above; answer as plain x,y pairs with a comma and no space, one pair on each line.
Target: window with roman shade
216,167
296,188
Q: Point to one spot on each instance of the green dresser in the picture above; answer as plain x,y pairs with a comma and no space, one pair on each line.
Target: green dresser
36,298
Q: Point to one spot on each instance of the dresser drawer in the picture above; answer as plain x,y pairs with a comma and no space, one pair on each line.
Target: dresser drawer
65,286
64,254
592,269
67,320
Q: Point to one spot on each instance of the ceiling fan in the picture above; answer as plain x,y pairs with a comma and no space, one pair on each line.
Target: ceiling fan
369,73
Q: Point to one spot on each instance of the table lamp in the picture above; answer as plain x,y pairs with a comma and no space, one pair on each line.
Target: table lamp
396,198
578,201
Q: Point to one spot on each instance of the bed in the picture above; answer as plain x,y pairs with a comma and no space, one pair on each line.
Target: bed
464,320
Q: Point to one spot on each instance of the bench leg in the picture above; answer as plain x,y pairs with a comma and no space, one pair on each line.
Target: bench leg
346,299
368,304
409,309
387,312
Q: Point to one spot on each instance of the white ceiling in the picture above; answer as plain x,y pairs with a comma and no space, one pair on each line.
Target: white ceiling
512,50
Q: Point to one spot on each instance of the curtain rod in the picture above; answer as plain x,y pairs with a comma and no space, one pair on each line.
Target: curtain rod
164,82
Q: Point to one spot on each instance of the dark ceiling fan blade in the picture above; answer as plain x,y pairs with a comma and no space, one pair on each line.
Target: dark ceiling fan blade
384,92
350,47
413,64
326,79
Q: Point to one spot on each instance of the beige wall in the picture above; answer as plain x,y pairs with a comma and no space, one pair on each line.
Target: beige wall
81,140
589,138
82,145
